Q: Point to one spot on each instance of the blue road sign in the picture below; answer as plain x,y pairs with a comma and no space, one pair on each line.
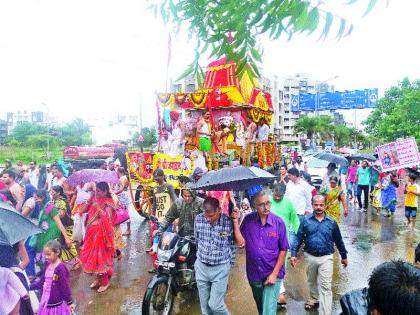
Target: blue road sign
294,103
335,100
307,102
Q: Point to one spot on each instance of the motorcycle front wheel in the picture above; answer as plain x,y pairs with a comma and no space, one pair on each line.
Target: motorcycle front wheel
154,301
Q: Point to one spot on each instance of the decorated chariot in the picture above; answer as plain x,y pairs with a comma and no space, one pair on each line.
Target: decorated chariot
223,124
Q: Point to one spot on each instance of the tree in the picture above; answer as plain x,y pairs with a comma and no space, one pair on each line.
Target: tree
342,135
310,126
397,114
149,137
307,125
76,132
25,129
233,28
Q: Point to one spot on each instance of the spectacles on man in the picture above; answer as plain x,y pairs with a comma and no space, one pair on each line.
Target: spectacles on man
266,205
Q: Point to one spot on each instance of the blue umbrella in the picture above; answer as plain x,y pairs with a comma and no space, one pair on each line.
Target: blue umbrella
14,227
237,179
332,158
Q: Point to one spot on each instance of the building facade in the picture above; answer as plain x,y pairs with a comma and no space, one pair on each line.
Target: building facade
21,116
282,92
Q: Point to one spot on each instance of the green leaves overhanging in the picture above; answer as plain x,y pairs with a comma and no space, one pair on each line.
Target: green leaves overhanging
210,22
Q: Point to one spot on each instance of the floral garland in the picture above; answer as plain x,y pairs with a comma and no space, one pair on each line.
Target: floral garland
198,98
260,157
273,152
164,98
264,155
267,154
181,98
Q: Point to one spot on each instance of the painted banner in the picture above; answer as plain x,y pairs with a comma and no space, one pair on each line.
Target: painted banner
398,154
142,165
171,166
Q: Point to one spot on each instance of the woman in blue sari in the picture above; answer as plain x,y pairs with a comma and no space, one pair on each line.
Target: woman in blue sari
389,194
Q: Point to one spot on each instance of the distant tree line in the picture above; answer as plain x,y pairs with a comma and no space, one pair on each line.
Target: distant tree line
75,132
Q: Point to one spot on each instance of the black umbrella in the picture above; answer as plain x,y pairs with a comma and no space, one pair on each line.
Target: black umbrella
362,156
332,158
237,179
14,227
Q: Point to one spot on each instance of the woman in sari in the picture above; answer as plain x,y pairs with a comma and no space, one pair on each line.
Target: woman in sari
123,195
334,196
98,248
389,186
50,222
68,254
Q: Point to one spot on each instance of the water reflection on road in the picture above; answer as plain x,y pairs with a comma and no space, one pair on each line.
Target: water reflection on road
369,239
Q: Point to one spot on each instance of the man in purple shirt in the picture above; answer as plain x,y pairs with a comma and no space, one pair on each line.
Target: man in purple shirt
264,236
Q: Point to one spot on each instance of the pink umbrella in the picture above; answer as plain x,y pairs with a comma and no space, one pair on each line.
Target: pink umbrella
92,175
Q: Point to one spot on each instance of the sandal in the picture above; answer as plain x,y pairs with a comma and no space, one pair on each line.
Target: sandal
94,284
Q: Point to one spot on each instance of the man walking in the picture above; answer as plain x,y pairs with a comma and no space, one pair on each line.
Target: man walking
363,179
33,174
319,232
283,208
216,250
9,178
298,192
264,236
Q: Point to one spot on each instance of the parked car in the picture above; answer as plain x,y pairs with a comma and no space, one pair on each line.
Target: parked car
317,169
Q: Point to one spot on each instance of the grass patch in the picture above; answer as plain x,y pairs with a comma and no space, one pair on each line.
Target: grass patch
27,154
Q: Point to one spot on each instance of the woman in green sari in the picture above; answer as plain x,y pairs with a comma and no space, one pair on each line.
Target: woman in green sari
68,255
334,196
49,222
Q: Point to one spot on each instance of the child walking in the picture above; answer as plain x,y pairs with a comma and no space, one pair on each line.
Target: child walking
56,293
412,191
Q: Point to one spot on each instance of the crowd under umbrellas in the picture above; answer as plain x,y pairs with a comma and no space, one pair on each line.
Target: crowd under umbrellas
267,195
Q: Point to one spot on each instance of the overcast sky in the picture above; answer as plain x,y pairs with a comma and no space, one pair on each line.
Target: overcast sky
99,58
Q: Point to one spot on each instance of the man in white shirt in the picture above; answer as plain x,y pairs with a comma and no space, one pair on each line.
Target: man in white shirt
298,192
33,174
263,130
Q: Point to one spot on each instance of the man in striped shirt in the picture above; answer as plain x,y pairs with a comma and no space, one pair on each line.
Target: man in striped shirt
215,255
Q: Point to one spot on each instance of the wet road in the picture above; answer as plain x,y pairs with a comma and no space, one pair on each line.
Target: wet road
369,239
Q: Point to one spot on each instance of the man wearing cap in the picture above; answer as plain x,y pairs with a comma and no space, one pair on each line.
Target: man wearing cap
163,194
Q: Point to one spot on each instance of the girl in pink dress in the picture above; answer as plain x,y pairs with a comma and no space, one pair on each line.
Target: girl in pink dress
55,284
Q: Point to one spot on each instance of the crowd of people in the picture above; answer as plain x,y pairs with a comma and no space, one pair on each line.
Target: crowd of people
82,229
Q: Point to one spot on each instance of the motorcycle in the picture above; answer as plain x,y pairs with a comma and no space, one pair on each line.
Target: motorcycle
175,273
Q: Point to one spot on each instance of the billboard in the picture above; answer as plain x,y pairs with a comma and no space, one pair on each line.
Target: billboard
398,154
336,100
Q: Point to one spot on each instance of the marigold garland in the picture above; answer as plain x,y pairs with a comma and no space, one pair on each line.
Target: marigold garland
198,98
181,98
260,157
